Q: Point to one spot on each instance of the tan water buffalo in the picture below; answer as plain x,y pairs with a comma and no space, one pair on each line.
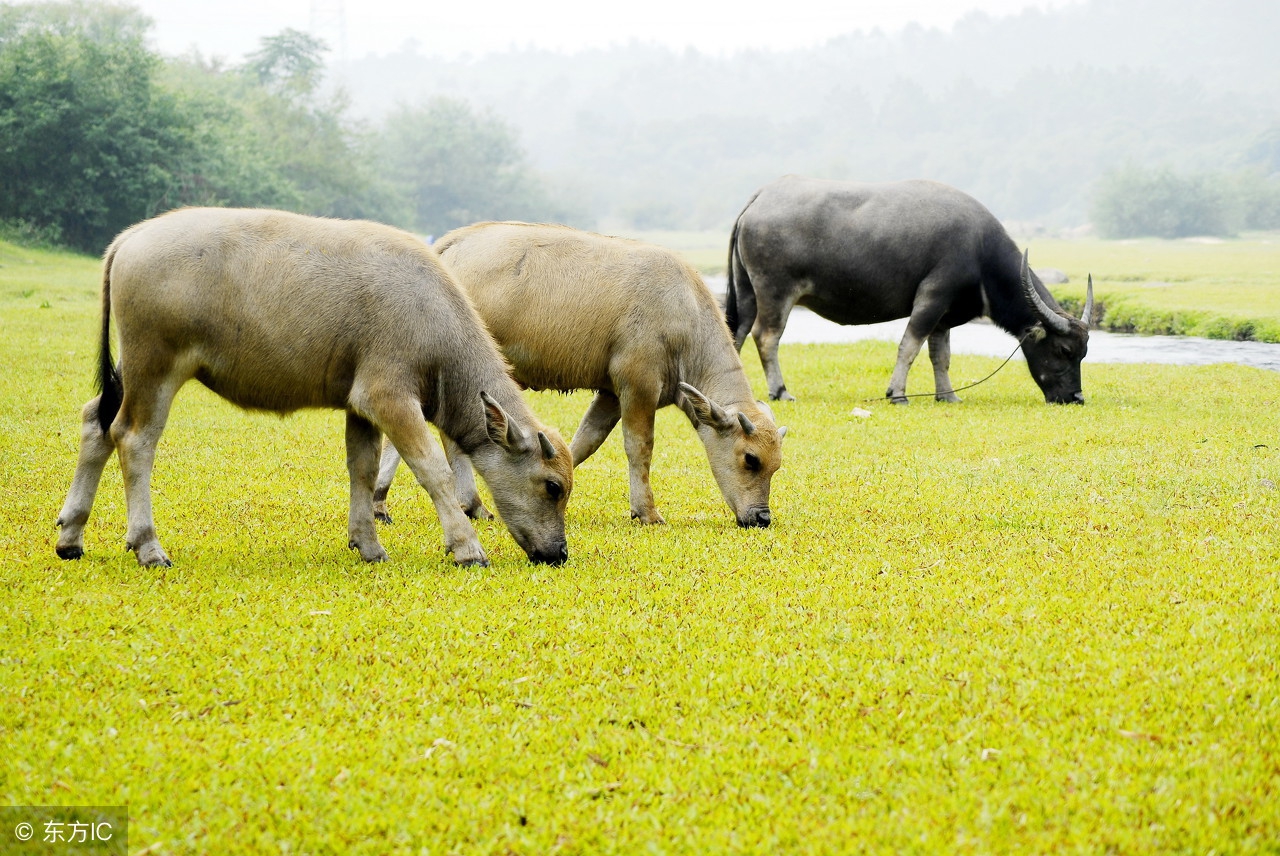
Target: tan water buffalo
278,312
575,310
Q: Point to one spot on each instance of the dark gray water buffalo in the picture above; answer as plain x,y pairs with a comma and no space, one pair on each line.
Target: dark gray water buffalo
278,312
575,310
858,253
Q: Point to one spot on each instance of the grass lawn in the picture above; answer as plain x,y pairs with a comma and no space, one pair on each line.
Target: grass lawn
999,626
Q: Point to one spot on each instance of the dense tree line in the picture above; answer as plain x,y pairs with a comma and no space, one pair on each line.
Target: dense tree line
98,132
1053,117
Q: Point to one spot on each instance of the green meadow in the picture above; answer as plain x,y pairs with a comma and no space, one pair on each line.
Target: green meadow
992,627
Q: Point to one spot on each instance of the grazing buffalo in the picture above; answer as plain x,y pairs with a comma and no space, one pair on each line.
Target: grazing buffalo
574,310
278,312
859,253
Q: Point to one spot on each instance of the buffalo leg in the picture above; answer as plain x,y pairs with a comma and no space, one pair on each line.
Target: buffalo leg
926,312
387,466
464,480
638,407
363,441
771,321
908,350
136,432
597,422
940,356
463,476
402,422
95,450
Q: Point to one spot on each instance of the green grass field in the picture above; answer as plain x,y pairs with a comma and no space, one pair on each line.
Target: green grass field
997,627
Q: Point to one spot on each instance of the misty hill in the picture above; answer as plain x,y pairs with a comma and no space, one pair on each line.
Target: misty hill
1023,111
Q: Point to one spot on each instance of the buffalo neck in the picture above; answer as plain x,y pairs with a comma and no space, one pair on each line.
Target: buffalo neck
714,367
452,401
1005,301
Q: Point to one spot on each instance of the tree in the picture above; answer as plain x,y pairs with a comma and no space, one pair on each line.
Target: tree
457,167
85,138
1135,202
292,61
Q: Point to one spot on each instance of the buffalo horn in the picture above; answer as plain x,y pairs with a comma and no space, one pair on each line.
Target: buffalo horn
548,450
748,427
1052,319
1087,317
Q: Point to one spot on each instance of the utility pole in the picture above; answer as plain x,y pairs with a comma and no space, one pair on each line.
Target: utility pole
329,23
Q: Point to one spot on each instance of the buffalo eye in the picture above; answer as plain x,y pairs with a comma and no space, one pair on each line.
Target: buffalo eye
555,490
751,462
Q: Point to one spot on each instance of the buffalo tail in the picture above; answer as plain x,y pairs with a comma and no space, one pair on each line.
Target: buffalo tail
740,295
109,384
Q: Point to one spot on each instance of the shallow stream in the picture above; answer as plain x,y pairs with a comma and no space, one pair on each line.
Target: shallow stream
983,337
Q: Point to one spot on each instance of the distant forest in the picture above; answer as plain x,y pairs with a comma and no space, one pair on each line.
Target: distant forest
1031,113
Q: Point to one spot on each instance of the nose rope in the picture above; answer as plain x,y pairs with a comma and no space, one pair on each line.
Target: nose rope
938,392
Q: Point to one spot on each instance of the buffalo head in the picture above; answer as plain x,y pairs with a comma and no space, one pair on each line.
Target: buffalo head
1055,344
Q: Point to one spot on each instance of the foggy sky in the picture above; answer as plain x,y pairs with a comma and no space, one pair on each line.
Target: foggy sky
231,28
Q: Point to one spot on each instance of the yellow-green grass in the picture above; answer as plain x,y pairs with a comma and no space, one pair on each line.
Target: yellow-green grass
1220,289
1000,626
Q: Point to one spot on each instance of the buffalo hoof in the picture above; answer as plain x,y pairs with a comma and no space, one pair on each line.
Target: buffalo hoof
478,512
382,517
781,395
476,559
898,399
468,553
648,519
375,554
150,555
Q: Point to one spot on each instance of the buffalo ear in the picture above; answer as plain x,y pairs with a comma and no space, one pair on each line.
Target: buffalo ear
706,411
501,427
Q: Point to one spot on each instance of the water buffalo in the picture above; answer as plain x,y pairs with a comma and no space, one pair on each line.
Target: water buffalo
575,310
860,253
278,312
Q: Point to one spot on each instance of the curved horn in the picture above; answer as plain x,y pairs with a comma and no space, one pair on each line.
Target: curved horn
1051,319
748,427
548,450
1086,318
